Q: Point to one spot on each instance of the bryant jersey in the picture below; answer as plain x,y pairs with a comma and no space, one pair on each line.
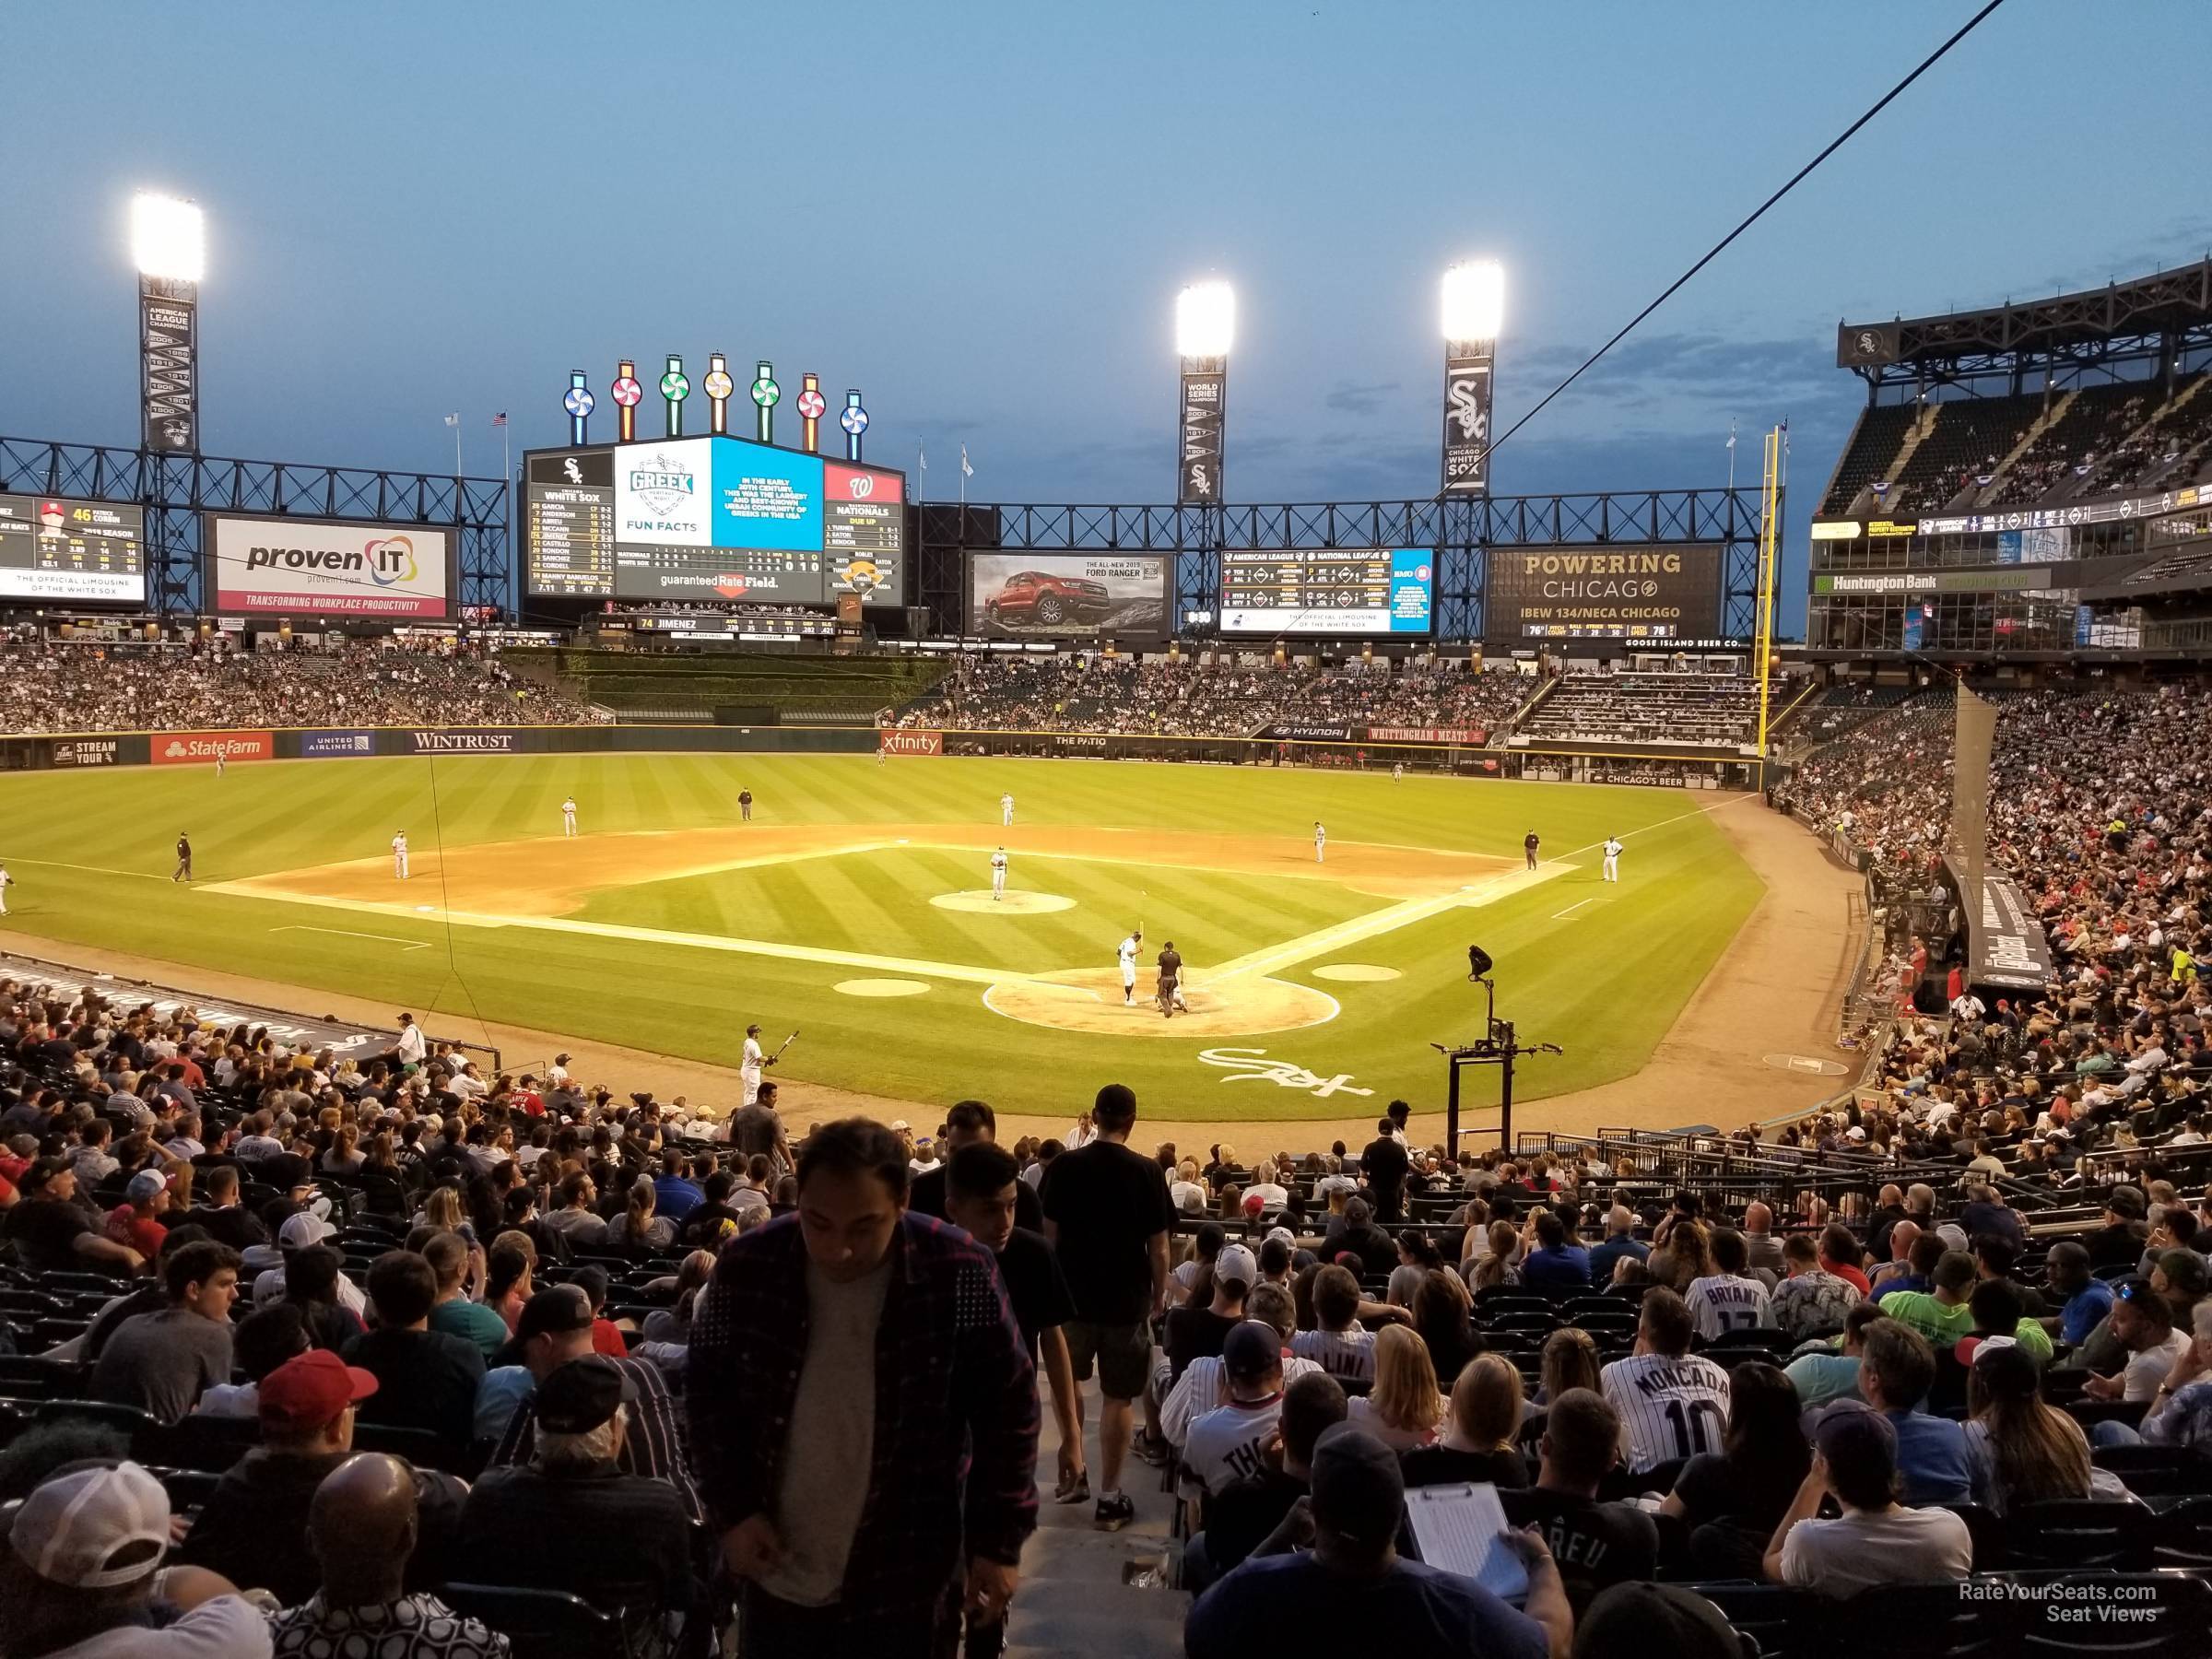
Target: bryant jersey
1725,1302
1671,1406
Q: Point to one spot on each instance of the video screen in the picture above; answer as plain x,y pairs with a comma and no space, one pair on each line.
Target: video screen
53,548
1069,596
1339,590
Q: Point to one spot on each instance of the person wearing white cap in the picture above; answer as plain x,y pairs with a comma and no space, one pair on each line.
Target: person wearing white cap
137,1221
305,1231
1198,1332
84,1561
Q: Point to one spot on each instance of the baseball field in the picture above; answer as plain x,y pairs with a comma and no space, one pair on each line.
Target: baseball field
856,909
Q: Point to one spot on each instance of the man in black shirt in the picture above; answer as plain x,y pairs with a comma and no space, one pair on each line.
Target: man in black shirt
1356,1230
967,1124
756,1131
227,1220
1107,1214
51,1231
1198,1333
1596,1545
425,1378
1384,1161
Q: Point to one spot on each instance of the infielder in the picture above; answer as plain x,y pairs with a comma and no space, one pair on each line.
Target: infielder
1321,843
998,874
399,856
1612,853
6,881
568,815
1127,952
1006,812
1672,1402
1529,843
751,1062
184,871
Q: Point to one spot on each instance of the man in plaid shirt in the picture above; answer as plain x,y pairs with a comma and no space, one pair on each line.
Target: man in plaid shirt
863,1416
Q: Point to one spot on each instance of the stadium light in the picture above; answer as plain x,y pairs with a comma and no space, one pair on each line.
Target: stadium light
169,245
1472,312
1205,323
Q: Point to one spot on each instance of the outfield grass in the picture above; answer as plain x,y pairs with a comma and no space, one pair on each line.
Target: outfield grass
90,853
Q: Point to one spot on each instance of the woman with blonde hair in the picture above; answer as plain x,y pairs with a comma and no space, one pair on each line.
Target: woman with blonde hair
1478,1442
442,1209
1404,1407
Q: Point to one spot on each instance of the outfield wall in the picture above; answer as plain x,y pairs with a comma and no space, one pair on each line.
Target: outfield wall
91,751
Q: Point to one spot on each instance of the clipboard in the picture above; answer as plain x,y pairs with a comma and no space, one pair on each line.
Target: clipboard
1460,1527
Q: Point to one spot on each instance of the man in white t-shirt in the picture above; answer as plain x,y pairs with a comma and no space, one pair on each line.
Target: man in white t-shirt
1728,1300
751,1064
1226,1443
411,1047
1672,1402
1127,952
1875,1541
2142,1322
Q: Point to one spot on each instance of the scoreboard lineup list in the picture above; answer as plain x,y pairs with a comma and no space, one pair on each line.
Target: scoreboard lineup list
1305,582
53,548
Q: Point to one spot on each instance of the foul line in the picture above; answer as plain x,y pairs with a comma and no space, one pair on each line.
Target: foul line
55,864
346,933
1559,916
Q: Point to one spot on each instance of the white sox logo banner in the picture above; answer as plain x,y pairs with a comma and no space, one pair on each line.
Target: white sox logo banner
1198,460
168,360
1467,425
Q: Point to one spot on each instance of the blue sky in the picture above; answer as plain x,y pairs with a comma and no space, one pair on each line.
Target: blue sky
981,214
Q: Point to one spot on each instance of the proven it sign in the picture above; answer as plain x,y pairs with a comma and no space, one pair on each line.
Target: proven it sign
307,568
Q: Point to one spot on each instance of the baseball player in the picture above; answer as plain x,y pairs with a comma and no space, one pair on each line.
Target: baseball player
1006,812
1529,843
1321,843
399,856
568,815
751,1062
744,805
998,874
1672,1402
1612,853
6,881
1397,772
220,763
1171,981
184,871
1127,952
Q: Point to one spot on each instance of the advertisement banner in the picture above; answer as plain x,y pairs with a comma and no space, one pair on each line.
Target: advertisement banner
463,740
664,493
169,361
911,743
334,746
60,548
1199,458
1460,734
1633,594
2008,946
1068,597
1301,731
86,751
326,567
204,748
1467,425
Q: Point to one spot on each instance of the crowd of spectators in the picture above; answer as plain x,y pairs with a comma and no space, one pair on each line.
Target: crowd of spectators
50,686
1443,696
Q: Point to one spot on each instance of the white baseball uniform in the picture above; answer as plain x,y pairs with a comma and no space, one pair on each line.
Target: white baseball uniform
1612,852
567,816
6,881
998,874
1126,950
1728,1302
1397,772
748,1068
1006,810
1320,841
399,856
1671,1406
218,766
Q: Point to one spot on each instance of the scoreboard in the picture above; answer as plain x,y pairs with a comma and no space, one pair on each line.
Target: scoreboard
715,518
1342,591
55,549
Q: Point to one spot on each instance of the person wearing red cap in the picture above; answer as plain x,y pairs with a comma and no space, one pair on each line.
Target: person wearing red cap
253,1528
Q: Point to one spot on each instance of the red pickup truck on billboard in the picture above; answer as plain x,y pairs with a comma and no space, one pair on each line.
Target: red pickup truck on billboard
1040,599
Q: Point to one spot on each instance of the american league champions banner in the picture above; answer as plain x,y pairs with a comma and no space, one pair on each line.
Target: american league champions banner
1467,425
1198,467
169,357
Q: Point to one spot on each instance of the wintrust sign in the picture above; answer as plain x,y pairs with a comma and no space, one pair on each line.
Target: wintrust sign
204,749
322,567
457,741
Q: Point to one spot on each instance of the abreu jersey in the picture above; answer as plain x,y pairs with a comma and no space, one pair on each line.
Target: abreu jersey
1671,1406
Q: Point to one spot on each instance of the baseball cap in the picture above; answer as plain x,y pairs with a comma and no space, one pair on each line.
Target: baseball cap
1237,1264
1252,1349
1358,1491
1854,1435
1655,1621
310,1390
1285,1234
553,1311
898,1124
303,1230
93,1528
1254,1203
1856,1133
1971,1349
145,1186
2126,1201
577,1397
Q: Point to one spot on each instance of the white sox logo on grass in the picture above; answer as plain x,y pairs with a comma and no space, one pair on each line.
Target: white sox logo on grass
1251,1066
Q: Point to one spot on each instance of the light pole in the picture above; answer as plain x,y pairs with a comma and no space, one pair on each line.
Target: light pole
169,245
1473,309
1205,323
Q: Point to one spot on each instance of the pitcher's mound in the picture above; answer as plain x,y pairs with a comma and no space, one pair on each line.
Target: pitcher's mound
1089,999
1016,903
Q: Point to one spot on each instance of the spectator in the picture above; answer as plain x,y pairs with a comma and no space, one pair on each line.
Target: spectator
638,1230
1384,1162
1404,1410
1819,1376
162,1361
1662,1386
1619,1241
2088,1299
2119,1243
851,1510
264,1340
1941,1316
2034,1451
1732,1500
1356,1230
1198,1330
1440,1310
574,1219
1226,1443
137,1221
2142,1324
52,1234
1243,1513
365,1528
1727,1299
454,1314
968,1122
228,1220
2181,1414
1811,1302
1339,1345
1107,1215
1934,1460
426,1378
1481,1430
1875,1541
1353,1585
1595,1544
1556,1267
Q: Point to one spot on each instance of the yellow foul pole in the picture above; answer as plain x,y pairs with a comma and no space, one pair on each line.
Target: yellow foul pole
1770,560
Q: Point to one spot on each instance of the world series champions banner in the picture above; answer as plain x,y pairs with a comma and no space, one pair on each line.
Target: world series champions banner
1467,423
168,356
1198,462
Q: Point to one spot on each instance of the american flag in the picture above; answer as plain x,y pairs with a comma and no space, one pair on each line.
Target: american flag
498,420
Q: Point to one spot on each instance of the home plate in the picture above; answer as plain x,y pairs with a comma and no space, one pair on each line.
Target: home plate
1016,902
1357,972
880,987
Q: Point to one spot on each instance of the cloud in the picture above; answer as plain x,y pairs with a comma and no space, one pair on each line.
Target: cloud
1349,399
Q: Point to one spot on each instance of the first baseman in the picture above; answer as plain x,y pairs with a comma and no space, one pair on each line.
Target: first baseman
1612,853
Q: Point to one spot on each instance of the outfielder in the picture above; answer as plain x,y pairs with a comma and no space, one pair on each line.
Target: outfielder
744,805
399,856
219,764
1005,811
1127,952
1320,841
568,815
1612,853
998,874
183,872
1397,772
6,881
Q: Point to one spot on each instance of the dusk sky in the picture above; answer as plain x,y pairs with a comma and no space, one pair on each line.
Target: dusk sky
981,214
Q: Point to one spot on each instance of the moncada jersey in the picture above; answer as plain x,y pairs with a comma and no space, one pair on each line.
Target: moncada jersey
1671,1406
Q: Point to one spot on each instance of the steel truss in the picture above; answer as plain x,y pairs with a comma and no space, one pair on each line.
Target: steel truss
1461,531
175,489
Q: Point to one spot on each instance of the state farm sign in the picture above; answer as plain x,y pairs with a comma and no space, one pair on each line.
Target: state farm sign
913,742
204,748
